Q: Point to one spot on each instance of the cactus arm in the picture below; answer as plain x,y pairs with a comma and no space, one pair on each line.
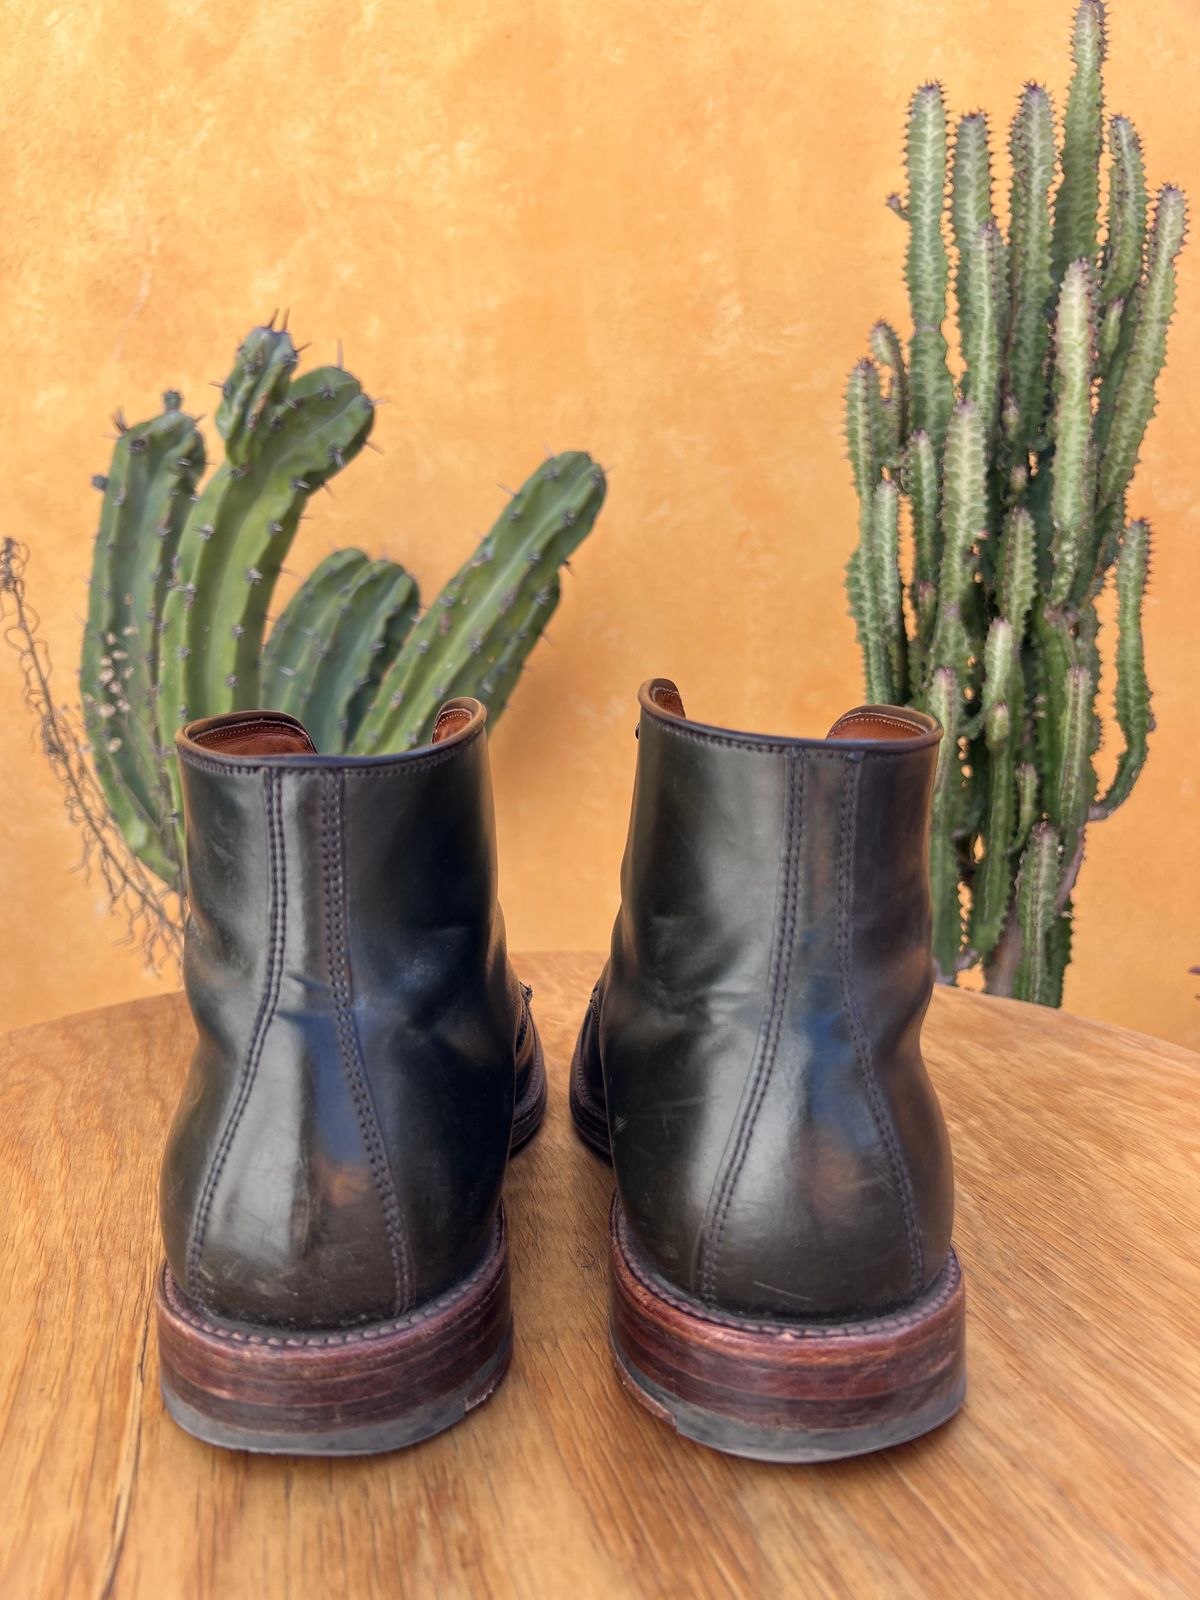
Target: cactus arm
1058,949
944,703
317,651
1018,569
921,486
1134,716
515,570
964,519
970,211
1077,202
991,888
888,352
863,406
1037,912
1108,337
350,653
1126,242
931,387
890,648
1030,279
1133,401
920,482
984,334
1052,654
154,470
262,372
1074,784
1071,495
1028,790
1120,325
862,444
289,638
237,537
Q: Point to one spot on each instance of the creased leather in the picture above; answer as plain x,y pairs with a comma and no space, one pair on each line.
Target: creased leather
339,1147
777,1143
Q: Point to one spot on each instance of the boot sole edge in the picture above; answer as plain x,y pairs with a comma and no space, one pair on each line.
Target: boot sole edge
353,1391
786,1391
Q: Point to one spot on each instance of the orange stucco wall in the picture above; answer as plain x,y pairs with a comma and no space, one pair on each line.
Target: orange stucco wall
653,231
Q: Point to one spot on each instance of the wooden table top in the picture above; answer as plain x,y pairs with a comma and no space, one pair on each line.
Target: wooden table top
1074,1469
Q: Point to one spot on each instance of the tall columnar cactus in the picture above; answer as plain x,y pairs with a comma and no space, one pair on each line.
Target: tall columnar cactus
184,577
1006,486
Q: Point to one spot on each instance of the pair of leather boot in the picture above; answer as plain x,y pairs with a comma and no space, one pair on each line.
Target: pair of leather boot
782,1279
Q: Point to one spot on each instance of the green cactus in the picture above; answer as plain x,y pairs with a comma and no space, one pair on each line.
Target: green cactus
290,637
1016,477
352,640
147,495
183,584
475,638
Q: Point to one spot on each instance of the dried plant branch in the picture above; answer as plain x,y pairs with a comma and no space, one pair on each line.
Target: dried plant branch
152,913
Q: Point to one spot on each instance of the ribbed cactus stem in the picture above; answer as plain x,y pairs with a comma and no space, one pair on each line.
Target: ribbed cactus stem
147,494
889,353
238,536
1033,155
987,326
863,405
1075,780
1126,242
964,520
1072,496
1078,199
1002,696
944,702
927,268
1018,570
970,211
921,484
352,648
1037,911
288,642
506,591
1133,405
1028,790
1133,713
863,401
1108,335
885,590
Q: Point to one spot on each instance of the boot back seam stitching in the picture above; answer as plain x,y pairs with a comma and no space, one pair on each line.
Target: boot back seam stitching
276,924
767,1045
349,1043
880,1112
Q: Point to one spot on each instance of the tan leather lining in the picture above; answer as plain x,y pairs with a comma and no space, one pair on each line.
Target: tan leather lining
875,725
450,720
264,736
667,698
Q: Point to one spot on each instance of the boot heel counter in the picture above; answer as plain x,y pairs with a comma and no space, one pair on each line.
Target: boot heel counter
929,1164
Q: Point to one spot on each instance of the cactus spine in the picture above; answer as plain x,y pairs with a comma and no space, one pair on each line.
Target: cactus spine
1015,479
183,582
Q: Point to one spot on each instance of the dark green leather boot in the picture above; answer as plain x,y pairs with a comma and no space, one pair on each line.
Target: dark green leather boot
337,1269
783,1283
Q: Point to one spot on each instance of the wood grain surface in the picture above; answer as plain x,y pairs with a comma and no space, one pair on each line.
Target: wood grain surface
1074,1469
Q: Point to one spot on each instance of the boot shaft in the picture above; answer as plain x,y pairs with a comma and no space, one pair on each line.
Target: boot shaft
338,1152
776,1140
